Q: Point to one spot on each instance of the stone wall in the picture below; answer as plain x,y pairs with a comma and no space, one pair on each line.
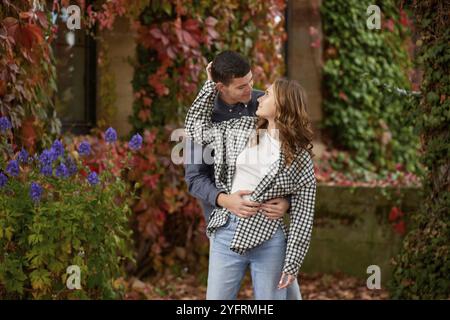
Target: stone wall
304,62
121,47
352,231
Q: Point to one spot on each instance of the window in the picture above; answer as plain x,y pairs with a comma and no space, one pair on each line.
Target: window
76,79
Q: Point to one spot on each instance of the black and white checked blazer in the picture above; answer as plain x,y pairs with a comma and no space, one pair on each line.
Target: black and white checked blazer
228,139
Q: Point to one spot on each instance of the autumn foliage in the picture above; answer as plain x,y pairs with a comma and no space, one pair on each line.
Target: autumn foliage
27,72
174,41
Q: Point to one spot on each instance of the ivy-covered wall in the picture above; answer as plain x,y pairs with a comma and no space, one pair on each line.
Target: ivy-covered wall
177,40
362,112
423,267
28,73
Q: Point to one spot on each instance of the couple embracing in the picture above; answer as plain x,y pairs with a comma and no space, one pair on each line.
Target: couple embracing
258,196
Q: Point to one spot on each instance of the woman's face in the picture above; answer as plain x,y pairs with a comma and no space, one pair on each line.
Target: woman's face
266,108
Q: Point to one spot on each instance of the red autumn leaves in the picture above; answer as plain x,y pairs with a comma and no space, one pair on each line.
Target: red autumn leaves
25,37
172,39
395,217
24,33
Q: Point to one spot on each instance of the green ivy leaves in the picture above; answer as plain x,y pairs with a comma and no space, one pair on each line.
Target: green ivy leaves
423,267
363,110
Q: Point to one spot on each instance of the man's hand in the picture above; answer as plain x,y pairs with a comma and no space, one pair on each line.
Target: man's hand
237,204
208,71
275,208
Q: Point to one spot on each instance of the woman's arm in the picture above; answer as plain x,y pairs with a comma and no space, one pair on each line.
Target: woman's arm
301,217
202,130
198,122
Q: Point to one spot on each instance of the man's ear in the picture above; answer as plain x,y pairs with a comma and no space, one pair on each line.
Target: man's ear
220,86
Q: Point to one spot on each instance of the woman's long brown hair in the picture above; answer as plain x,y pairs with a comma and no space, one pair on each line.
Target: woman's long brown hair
291,119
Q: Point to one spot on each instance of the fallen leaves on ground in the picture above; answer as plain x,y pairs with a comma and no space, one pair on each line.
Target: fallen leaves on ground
313,287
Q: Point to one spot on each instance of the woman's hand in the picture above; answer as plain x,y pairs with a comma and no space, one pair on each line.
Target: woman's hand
208,70
285,281
237,204
275,208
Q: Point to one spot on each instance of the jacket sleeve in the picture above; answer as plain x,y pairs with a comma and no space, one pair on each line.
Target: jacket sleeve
198,123
301,217
199,175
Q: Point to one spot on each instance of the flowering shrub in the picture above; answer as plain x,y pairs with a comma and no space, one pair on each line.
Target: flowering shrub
56,212
169,230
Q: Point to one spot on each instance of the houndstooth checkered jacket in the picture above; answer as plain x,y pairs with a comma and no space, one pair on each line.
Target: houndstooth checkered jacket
228,139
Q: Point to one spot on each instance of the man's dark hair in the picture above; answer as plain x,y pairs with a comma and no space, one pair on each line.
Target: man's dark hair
228,65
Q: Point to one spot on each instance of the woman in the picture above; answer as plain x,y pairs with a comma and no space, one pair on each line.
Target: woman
279,138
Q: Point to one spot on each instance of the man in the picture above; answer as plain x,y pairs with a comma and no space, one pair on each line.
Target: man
231,72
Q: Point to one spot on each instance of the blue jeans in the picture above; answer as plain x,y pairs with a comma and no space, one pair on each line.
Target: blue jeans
227,268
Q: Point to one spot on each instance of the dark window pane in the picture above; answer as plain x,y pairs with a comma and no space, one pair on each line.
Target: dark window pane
76,78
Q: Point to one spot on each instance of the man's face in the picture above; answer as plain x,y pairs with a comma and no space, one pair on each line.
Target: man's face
239,89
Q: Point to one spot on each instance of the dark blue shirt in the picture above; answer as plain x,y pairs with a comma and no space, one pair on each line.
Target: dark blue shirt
199,175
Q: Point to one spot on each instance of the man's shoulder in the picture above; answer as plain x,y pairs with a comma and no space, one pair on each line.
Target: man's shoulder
253,104
257,93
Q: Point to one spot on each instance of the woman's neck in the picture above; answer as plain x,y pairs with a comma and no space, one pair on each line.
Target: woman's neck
272,129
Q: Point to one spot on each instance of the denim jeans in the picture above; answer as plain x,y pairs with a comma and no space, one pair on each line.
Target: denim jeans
227,268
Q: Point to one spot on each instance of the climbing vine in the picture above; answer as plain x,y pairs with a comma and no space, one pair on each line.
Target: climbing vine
365,119
27,72
422,268
176,40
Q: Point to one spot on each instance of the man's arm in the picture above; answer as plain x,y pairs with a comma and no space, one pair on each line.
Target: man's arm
200,181
199,175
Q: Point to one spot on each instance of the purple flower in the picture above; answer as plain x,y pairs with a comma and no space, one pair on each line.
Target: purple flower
5,124
47,170
135,142
13,168
35,191
84,148
47,157
110,135
58,148
3,179
93,178
61,171
23,156
71,166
